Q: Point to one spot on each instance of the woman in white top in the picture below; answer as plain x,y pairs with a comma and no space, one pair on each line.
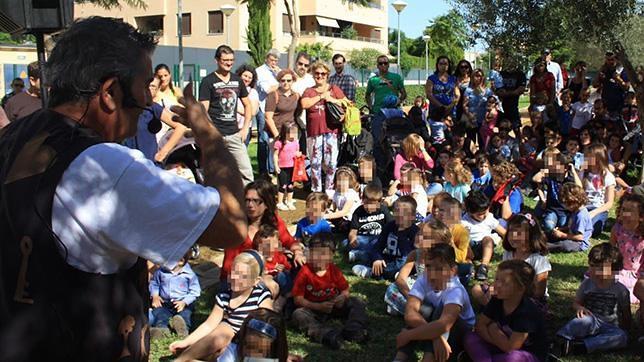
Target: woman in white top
599,184
249,77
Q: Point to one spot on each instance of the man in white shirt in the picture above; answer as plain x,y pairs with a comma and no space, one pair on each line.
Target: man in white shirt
555,69
266,83
303,82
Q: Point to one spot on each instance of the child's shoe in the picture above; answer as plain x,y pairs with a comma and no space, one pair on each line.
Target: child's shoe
291,205
362,271
481,272
358,336
282,206
333,339
179,325
572,346
352,256
159,332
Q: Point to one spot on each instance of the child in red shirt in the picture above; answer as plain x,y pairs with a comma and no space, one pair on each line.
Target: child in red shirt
321,292
276,265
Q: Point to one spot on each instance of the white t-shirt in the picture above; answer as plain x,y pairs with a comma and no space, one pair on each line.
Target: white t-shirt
479,229
583,114
341,199
113,205
595,187
539,263
454,293
299,86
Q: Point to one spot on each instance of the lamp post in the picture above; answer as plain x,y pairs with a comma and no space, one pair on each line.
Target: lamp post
475,28
228,9
180,36
399,5
426,38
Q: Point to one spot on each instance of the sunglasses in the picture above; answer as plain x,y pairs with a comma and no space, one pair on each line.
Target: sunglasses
255,201
383,63
306,65
286,80
321,74
443,63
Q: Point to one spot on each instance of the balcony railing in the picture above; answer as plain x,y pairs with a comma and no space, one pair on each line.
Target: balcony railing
341,36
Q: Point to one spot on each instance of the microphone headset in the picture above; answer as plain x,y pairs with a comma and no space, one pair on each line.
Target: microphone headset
154,126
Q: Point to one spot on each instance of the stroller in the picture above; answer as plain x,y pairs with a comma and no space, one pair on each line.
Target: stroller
394,131
353,147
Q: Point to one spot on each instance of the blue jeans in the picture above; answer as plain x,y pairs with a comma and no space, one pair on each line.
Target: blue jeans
362,252
285,281
264,159
553,219
163,314
596,334
599,221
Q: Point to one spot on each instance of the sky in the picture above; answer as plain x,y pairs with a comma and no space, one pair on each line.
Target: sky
416,15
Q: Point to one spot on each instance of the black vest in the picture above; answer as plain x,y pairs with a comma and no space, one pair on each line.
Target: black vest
48,309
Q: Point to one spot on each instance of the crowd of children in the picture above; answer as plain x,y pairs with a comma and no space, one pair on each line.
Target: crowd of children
431,230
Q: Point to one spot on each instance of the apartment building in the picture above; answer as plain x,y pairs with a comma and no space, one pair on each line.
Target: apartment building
205,27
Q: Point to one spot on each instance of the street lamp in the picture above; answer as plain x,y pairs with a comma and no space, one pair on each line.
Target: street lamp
399,5
228,9
475,28
426,38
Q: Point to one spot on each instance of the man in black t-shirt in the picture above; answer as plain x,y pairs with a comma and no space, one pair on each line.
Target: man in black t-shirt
514,83
219,93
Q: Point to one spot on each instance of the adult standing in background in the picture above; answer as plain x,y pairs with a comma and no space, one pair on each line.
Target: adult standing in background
613,82
514,85
462,73
542,82
441,89
281,104
266,83
322,140
219,93
579,82
26,103
344,81
554,68
248,75
383,84
168,95
303,81
17,86
475,105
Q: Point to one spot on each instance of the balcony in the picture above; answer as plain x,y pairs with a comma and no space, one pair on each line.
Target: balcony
375,14
329,34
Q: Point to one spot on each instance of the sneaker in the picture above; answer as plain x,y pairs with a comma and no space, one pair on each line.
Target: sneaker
282,206
358,336
179,325
572,347
481,272
159,332
291,206
392,311
352,256
362,271
333,339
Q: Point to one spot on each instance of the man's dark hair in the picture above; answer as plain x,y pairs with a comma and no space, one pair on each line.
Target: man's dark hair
33,70
223,49
91,51
304,55
17,81
338,56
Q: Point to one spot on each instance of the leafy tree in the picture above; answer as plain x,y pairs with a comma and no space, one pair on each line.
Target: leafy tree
405,42
317,50
363,59
258,33
407,62
448,36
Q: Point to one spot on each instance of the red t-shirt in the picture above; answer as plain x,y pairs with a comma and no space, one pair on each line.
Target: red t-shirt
316,115
546,83
316,288
229,254
278,258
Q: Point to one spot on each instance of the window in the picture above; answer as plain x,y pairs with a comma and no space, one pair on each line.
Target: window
215,22
150,24
186,24
286,24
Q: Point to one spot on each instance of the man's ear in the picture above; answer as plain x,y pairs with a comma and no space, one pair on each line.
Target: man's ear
110,93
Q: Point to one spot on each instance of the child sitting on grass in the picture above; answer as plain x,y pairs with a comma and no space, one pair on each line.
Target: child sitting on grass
438,312
628,236
394,243
367,224
602,306
457,179
430,233
173,295
345,199
448,211
277,266
525,241
314,222
511,327
411,183
246,294
321,292
480,223
575,237
367,172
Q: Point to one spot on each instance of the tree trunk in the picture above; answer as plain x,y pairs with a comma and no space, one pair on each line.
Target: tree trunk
294,27
637,84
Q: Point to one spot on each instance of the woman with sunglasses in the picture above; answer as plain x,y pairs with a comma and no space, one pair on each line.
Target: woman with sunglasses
462,73
322,137
441,88
542,81
281,104
261,209
475,105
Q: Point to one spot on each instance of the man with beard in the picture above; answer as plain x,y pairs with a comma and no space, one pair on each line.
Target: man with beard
513,86
303,82
344,81
219,93
613,82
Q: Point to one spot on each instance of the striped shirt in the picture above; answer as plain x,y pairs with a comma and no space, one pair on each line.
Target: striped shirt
235,317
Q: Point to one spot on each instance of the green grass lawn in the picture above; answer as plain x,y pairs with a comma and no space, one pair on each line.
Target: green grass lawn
567,273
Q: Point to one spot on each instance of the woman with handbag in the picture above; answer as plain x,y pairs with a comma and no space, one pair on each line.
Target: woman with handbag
324,117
